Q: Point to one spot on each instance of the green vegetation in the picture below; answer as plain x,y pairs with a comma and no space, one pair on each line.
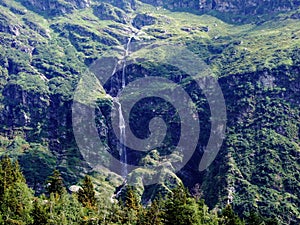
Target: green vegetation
15,196
44,51
86,195
55,184
19,206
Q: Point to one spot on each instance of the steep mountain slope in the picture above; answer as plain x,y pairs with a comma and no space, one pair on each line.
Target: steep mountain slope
232,11
240,7
46,46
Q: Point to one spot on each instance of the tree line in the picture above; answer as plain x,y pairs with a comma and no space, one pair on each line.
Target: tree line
19,206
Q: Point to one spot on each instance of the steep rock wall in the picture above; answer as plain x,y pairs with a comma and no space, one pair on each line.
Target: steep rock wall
235,6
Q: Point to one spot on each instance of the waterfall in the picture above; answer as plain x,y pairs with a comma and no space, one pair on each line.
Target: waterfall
122,147
124,62
122,127
123,81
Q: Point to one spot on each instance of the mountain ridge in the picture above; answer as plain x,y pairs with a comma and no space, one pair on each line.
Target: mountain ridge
237,7
234,6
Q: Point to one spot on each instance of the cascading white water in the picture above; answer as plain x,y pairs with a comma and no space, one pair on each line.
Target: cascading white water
124,61
122,127
123,150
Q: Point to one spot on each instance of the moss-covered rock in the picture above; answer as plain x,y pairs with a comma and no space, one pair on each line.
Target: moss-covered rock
106,11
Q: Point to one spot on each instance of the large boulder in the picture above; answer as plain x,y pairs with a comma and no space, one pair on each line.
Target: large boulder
142,20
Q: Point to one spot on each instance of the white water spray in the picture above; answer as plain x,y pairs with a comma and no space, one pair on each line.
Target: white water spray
122,127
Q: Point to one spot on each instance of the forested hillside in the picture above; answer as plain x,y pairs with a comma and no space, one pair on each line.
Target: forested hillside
83,206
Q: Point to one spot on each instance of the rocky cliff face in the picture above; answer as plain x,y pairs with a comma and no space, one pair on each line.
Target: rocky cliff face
234,6
56,7
248,7
230,6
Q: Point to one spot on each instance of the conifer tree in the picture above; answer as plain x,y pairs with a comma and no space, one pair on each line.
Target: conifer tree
15,195
228,217
55,183
66,209
152,215
10,174
86,195
181,209
206,217
131,207
39,213
115,214
131,200
255,218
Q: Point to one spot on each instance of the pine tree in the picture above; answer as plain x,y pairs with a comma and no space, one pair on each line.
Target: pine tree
15,195
152,215
130,208
115,215
55,184
131,200
66,210
228,217
181,209
206,217
10,174
39,213
86,195
255,218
